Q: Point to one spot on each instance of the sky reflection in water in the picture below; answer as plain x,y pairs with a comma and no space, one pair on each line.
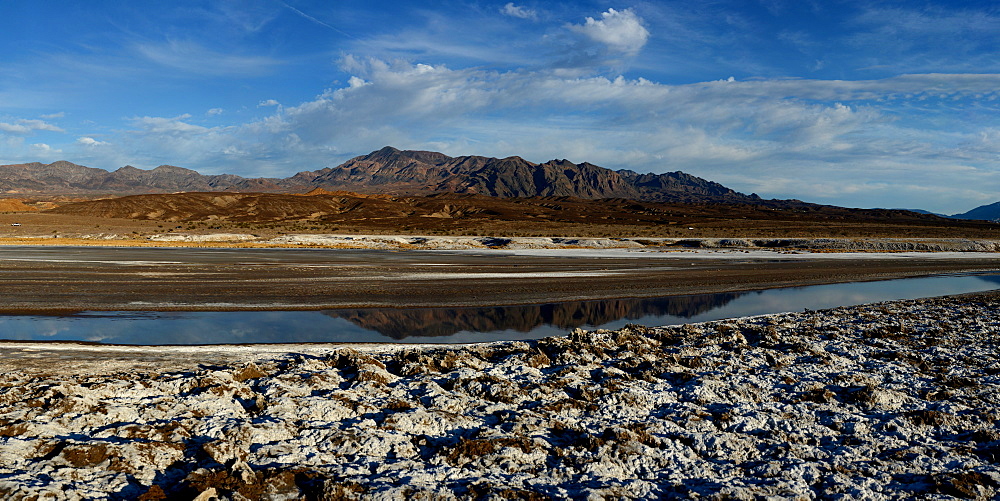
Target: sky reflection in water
457,325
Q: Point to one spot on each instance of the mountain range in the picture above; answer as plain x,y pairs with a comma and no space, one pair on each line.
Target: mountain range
402,172
385,171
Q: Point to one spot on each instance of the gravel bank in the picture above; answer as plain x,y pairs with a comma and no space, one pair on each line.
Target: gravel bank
885,401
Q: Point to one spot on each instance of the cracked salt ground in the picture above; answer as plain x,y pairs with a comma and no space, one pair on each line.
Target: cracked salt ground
886,401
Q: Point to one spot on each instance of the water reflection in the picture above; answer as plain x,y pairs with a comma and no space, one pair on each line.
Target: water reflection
458,325
400,324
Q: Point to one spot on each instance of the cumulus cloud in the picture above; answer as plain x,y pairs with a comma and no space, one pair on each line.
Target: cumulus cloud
438,96
89,141
766,113
268,102
214,111
518,11
620,30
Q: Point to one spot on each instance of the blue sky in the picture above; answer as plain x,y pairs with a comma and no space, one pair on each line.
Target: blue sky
861,104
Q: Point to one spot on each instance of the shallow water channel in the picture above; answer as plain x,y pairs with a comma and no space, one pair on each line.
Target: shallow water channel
465,324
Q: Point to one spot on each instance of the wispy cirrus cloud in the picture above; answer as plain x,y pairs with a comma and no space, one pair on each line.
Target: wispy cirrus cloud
195,59
926,38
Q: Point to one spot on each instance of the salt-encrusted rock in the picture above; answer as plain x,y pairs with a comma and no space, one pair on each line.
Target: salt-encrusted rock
211,237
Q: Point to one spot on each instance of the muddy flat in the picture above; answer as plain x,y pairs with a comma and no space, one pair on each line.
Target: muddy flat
58,279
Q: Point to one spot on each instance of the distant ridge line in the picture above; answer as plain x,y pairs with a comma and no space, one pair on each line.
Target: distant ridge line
385,171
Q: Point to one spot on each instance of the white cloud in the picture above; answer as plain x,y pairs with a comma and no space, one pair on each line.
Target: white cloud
89,141
175,126
214,112
14,128
620,30
44,149
269,102
24,126
54,115
518,11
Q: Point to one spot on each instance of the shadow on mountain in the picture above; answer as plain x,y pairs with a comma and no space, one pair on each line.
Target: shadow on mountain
434,322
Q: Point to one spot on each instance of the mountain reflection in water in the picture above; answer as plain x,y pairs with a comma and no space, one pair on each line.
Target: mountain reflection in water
460,325
436,322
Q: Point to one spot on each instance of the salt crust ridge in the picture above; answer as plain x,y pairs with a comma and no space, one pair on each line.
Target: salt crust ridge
518,243
886,401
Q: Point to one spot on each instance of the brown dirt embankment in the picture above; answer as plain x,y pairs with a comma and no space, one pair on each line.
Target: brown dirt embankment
15,205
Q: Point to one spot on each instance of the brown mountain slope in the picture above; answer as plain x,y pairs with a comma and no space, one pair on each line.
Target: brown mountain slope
549,216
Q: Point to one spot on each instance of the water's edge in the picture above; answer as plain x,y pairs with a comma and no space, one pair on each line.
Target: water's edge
464,324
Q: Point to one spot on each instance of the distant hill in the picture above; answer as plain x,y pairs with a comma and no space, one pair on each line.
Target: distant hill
388,171
62,178
921,211
989,212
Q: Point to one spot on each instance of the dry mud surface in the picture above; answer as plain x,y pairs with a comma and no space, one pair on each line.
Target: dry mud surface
885,401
